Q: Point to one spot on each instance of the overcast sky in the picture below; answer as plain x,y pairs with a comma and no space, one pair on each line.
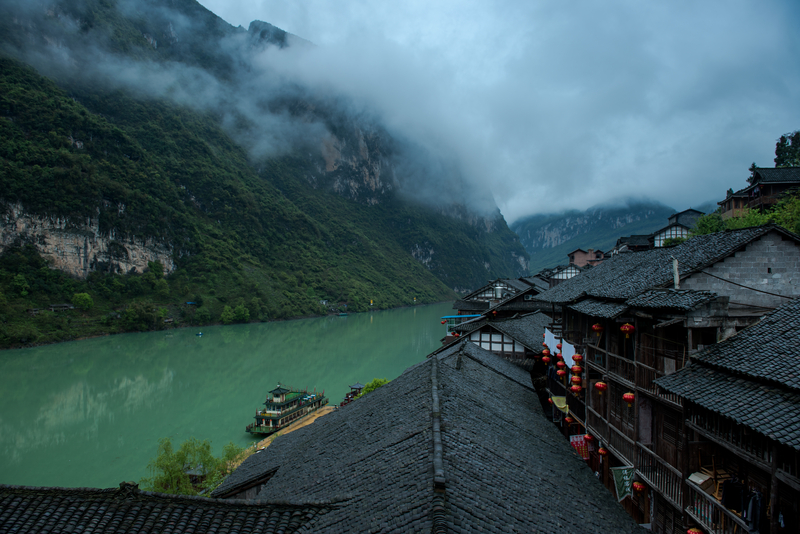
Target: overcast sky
565,104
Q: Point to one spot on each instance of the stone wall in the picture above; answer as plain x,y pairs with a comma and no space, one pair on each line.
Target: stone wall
770,264
80,248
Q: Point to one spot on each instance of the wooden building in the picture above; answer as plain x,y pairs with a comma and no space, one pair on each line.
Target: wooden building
764,191
722,283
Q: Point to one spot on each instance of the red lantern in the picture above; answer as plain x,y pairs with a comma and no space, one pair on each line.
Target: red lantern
546,352
494,312
558,346
561,365
569,420
577,359
544,344
576,369
694,531
602,452
588,438
638,486
561,373
600,387
455,334
546,359
598,328
544,335
550,400
575,379
575,388
627,329
629,398
559,356
444,322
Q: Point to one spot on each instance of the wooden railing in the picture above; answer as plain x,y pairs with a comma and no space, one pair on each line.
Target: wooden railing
597,424
645,376
622,445
596,357
660,474
623,368
714,517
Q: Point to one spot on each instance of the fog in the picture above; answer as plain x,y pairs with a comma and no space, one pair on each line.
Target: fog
565,104
538,106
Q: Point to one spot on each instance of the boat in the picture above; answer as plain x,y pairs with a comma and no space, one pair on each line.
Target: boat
283,407
355,391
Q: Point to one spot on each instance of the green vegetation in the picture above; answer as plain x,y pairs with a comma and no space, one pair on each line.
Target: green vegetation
786,213
251,240
191,469
787,150
372,386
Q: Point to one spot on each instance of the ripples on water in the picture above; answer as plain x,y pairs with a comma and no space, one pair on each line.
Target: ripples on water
90,413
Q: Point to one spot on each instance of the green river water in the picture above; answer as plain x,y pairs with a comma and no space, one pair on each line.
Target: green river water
90,413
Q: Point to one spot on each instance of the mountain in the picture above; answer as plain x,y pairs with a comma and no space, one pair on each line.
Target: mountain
548,238
149,159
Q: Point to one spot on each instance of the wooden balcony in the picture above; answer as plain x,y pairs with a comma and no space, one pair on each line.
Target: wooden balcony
597,425
710,514
623,369
645,376
659,474
622,445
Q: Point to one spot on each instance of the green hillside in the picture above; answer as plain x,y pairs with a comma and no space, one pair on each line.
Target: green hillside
250,239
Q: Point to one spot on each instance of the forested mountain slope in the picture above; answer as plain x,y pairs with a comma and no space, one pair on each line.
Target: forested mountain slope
107,178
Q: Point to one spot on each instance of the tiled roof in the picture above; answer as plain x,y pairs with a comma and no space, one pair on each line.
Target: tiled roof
526,329
752,377
35,510
464,421
597,308
768,350
519,285
537,282
626,275
768,409
682,299
780,174
471,305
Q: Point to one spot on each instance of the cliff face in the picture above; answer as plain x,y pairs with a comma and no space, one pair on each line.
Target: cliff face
548,238
80,248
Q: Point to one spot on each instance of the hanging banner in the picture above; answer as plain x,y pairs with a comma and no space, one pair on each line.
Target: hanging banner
580,445
623,480
560,403
567,350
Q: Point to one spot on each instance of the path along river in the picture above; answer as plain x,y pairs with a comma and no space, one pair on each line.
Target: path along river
91,412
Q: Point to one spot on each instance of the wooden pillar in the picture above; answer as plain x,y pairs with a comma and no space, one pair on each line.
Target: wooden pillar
773,490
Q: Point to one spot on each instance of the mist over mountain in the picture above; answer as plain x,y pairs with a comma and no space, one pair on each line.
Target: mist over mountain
156,131
548,238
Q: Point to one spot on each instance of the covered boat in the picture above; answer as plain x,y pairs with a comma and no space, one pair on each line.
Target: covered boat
284,406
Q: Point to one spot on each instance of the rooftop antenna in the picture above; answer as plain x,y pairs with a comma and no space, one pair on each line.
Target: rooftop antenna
675,276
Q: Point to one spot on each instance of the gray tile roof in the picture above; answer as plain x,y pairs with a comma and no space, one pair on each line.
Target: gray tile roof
471,305
769,410
501,465
627,275
519,285
597,308
780,174
752,377
526,329
681,299
126,509
537,282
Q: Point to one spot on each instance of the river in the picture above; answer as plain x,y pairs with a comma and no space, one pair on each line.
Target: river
90,413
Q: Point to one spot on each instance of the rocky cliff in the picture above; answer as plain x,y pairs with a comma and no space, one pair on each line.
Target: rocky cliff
80,248
548,238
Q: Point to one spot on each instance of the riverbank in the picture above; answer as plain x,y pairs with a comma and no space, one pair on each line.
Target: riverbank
266,442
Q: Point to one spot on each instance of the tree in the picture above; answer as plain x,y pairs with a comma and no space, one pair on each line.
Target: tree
20,285
241,314
189,470
227,315
787,150
372,386
82,301
708,224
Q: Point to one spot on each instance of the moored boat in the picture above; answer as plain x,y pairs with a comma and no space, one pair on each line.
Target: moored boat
284,406
355,391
